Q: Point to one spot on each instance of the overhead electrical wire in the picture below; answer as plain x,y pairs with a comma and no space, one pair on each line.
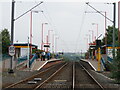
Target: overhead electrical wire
81,26
52,24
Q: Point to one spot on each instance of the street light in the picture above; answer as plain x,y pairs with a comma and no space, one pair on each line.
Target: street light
48,38
56,43
89,38
53,43
42,35
92,34
86,42
96,27
31,28
105,22
49,35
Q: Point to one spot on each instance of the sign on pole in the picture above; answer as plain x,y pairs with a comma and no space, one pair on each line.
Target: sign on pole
46,45
11,50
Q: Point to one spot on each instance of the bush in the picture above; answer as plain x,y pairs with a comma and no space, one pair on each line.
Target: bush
116,68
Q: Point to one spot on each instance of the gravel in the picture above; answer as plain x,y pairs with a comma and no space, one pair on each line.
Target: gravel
102,78
8,79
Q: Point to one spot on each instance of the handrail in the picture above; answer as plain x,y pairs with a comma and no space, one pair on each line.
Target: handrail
103,63
21,59
109,59
32,60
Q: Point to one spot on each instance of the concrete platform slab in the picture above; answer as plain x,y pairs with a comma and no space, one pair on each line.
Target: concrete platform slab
39,64
93,63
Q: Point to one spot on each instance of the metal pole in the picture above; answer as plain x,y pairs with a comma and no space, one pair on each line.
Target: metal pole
105,37
30,33
97,30
89,39
53,43
47,42
87,43
105,30
42,38
56,45
12,34
49,35
28,54
114,16
92,35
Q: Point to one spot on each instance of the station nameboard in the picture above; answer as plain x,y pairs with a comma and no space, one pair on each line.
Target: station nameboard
11,50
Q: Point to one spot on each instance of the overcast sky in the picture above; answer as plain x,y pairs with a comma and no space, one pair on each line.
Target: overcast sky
67,18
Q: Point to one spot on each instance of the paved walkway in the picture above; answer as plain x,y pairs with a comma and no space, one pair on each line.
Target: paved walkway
38,65
93,63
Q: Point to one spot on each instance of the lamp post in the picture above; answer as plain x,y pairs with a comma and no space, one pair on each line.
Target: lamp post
88,37
53,43
28,64
47,42
96,27
56,44
42,35
30,33
31,18
92,35
49,35
86,42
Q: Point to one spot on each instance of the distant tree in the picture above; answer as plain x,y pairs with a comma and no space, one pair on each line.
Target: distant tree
5,40
109,34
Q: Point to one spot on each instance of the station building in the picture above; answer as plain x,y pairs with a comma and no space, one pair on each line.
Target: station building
21,49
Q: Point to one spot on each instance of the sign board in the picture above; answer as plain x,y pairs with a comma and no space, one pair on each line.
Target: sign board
46,45
92,43
61,53
11,50
92,46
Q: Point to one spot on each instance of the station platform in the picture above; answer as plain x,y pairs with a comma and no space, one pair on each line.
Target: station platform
39,64
93,64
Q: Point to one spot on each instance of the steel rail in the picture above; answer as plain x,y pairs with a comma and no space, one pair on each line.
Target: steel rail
37,87
73,76
29,77
92,77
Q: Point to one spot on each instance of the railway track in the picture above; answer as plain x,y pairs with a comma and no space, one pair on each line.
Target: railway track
62,79
84,80
40,77
71,75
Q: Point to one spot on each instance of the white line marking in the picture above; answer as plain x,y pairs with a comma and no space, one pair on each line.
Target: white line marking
73,75
90,64
42,65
